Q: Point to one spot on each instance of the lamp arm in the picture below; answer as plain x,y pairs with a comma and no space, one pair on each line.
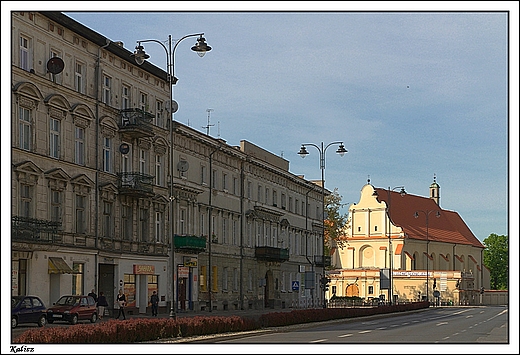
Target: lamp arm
175,47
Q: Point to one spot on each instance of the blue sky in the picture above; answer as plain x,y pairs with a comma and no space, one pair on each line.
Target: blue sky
411,94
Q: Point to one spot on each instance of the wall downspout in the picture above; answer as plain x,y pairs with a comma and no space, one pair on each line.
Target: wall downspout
96,215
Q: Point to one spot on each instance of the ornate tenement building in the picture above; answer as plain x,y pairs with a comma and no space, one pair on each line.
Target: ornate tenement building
90,191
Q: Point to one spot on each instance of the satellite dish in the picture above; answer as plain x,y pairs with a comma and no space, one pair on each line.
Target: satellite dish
55,65
183,166
175,106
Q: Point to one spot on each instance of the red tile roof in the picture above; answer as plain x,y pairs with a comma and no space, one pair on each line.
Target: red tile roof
448,228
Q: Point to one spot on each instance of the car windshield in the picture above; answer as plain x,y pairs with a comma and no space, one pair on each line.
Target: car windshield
15,301
68,301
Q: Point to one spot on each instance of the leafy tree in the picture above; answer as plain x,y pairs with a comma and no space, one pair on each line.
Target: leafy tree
496,258
335,222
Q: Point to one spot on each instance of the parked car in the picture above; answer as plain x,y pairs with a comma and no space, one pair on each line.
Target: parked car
27,309
73,308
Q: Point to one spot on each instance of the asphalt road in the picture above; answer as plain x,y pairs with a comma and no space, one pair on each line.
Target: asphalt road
450,325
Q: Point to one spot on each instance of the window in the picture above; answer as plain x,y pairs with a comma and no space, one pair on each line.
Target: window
26,200
127,222
79,74
224,182
54,139
225,279
235,232
203,175
296,206
78,287
249,190
79,146
182,221
214,279
107,154
143,223
24,53
224,230
283,202
159,227
275,198
108,220
370,290
25,128
259,193
214,179
56,203
266,195
250,280
159,111
143,98
158,170
142,161
81,214
235,279
375,228
125,97
107,90
235,186
202,226
129,289
202,279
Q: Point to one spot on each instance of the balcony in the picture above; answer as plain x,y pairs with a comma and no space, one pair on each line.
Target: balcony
190,243
272,254
322,260
34,230
136,123
135,184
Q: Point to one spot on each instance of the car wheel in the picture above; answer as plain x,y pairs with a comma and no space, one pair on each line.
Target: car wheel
74,319
14,322
42,321
93,319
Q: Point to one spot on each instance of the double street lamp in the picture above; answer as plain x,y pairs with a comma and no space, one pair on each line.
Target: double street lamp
140,56
427,214
322,149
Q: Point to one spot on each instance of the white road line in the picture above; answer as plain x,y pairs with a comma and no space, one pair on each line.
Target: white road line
344,335
381,328
441,323
318,341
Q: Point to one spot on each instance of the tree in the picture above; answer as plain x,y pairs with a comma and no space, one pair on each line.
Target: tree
496,258
335,222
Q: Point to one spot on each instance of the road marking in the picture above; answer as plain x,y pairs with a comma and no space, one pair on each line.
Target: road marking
364,331
394,325
445,338
441,323
470,316
345,335
318,341
381,328
406,323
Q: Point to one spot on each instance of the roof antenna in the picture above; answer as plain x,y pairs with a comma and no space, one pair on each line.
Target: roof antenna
209,110
218,129
368,180
434,177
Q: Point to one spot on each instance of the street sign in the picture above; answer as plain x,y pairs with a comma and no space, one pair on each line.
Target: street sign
295,285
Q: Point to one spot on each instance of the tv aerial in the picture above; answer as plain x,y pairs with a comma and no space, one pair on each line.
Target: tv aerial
209,110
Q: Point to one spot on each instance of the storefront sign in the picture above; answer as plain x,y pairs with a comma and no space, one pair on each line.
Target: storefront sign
183,272
144,270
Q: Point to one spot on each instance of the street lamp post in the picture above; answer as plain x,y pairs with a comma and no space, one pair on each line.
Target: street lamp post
391,276
322,149
140,56
427,214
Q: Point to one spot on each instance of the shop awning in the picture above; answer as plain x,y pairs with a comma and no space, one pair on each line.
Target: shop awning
59,266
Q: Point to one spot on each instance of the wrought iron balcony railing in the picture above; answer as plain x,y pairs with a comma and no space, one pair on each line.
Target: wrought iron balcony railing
322,260
32,229
135,184
272,254
136,122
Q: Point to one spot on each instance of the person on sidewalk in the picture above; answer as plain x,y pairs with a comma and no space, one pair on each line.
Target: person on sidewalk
121,301
93,295
102,304
154,300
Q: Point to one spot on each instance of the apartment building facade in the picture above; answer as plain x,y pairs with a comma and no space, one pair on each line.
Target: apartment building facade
93,186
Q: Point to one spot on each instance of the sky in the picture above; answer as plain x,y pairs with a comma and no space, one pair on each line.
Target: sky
412,90
411,95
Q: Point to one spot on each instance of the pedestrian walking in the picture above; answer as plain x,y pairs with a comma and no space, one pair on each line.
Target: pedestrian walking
154,300
102,304
93,295
121,301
